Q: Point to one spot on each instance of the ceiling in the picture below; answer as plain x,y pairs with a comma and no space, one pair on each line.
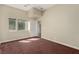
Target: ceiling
27,7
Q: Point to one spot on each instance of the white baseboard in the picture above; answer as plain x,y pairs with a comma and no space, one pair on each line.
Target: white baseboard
13,39
62,43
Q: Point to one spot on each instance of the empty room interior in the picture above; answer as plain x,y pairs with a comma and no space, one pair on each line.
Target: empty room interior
39,28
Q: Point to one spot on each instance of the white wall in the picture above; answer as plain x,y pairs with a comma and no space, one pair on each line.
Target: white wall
9,12
61,24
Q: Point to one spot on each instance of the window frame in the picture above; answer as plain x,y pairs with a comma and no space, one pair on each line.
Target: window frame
12,30
19,21
27,25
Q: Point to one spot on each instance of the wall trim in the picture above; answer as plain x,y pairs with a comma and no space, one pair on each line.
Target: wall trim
65,44
3,42
74,47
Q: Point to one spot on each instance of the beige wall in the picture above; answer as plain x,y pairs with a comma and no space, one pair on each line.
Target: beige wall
5,13
61,24
0,22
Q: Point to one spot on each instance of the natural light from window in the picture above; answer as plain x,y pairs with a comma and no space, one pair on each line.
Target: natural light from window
29,40
29,26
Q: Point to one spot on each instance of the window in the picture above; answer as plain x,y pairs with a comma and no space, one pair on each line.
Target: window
15,25
12,24
28,27
21,24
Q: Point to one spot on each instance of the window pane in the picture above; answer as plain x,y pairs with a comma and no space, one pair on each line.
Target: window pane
21,25
12,24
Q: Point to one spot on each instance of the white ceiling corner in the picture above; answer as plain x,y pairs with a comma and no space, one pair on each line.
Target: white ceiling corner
29,6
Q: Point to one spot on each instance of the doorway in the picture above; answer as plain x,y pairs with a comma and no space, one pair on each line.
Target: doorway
35,28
